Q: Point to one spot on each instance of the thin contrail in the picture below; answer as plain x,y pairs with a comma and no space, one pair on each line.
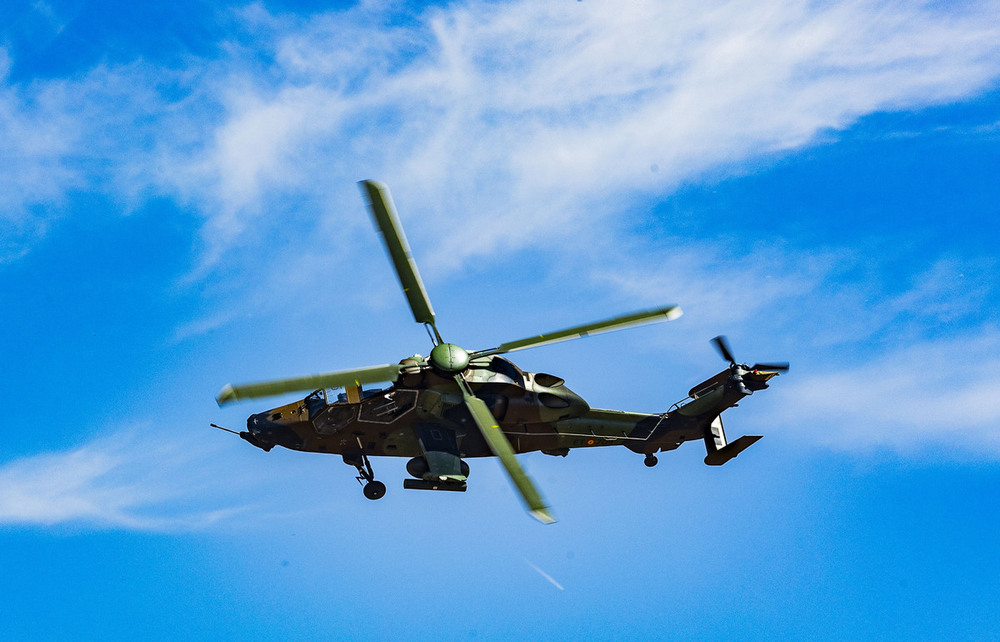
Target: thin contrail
546,576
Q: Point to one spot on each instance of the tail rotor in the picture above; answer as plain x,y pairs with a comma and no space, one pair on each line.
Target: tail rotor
721,344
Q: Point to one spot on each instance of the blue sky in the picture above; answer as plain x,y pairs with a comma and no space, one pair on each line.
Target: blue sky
178,210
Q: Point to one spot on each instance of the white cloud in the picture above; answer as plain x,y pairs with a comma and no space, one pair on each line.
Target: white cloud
939,395
37,136
719,286
881,362
505,130
91,135
518,121
525,117
122,481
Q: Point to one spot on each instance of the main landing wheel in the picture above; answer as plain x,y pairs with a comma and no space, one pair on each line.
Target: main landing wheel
650,460
374,490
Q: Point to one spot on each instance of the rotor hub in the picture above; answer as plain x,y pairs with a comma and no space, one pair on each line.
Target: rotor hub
449,358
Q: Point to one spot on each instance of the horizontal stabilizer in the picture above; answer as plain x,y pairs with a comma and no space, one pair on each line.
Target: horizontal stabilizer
730,450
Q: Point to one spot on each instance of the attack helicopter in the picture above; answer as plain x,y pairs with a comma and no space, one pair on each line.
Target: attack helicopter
455,404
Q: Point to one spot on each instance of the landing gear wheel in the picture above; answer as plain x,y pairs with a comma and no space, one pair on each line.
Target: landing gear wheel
374,490
650,460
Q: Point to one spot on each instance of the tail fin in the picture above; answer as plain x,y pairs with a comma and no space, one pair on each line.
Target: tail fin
718,450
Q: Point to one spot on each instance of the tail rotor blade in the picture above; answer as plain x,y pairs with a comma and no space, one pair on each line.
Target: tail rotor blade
771,367
722,345
357,377
500,447
384,212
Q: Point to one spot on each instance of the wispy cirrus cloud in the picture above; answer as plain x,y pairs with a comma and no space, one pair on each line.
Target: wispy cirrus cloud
61,138
912,399
564,109
120,481
480,115
898,364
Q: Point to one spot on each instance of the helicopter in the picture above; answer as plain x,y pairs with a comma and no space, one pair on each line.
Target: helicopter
455,404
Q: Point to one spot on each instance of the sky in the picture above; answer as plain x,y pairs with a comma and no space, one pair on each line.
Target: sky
179,210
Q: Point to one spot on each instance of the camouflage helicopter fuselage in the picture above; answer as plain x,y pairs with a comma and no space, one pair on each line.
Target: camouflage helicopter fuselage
424,412
456,404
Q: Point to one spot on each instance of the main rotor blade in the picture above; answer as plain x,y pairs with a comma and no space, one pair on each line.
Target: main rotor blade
500,447
371,374
722,345
644,317
384,213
